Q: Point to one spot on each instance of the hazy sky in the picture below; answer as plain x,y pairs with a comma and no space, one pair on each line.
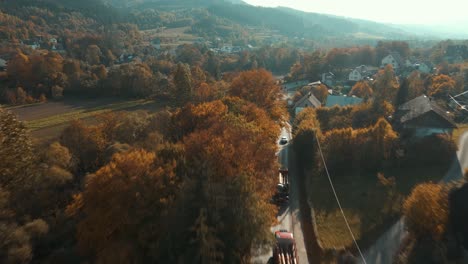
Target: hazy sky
391,11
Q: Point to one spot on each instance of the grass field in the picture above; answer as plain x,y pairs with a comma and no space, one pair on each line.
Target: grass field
47,120
369,206
58,119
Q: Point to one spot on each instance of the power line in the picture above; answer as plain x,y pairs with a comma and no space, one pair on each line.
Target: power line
338,201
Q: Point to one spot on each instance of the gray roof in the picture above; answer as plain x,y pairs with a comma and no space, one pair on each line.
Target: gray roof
296,84
308,100
420,106
339,100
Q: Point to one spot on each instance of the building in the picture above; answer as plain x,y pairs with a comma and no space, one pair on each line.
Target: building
308,100
33,44
328,78
423,67
156,43
358,73
342,100
394,59
294,85
421,117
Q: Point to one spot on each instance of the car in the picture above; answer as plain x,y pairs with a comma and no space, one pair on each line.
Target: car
283,140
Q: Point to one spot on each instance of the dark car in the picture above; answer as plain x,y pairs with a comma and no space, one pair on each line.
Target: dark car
283,140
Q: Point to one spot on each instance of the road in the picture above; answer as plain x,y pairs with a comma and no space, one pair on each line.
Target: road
385,248
288,215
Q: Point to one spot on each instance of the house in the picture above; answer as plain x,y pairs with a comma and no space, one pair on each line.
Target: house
421,117
125,58
294,85
33,44
423,67
58,48
342,100
328,78
156,43
394,59
308,100
3,64
358,73
53,41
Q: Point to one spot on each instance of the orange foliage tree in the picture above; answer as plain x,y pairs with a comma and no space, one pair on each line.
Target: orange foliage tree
321,92
362,89
259,87
426,210
123,206
441,85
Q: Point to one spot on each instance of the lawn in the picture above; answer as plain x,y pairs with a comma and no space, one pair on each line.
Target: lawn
370,206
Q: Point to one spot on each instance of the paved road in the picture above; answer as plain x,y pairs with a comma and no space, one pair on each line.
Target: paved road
288,216
385,248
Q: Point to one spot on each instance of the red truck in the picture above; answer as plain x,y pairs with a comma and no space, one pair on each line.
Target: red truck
284,251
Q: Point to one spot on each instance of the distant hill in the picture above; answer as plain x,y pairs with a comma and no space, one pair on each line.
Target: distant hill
287,21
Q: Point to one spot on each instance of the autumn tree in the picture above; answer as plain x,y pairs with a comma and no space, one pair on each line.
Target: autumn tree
231,187
362,89
441,86
183,83
140,187
320,92
87,144
426,210
410,88
19,176
306,132
15,152
386,85
93,54
259,87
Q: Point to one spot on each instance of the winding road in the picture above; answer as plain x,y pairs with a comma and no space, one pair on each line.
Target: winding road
384,249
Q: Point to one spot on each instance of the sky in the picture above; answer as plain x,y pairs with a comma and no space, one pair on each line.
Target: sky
427,12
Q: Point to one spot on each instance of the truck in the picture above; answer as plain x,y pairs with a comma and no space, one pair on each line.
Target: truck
284,250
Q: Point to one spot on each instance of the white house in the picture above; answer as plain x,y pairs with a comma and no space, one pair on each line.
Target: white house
359,73
394,59
53,41
355,75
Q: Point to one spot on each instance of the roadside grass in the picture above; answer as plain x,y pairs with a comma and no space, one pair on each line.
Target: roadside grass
59,119
462,128
370,206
